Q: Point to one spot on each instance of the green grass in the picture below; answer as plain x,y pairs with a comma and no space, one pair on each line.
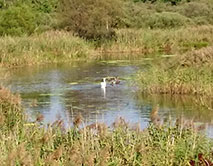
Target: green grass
61,46
140,42
188,74
26,143
177,81
52,46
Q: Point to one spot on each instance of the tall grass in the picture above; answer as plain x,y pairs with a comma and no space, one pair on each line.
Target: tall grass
178,81
61,46
160,41
52,46
189,74
96,144
10,109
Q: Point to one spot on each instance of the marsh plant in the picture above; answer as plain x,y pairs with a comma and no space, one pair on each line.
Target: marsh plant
162,143
187,74
62,46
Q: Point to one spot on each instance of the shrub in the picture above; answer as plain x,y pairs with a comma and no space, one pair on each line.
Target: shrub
45,6
91,19
200,12
165,20
156,15
23,17
18,20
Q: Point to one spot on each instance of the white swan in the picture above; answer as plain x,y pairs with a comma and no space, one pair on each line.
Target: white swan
103,84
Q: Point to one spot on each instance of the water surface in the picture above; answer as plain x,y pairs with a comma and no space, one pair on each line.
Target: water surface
62,91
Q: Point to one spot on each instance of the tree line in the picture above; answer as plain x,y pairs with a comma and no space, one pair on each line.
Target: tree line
98,19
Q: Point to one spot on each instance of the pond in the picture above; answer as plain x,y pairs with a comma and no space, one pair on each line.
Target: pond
62,91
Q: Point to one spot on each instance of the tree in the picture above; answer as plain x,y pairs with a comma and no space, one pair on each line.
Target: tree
24,17
17,20
91,19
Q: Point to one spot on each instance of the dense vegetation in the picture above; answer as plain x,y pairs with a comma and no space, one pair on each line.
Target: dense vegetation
59,30
100,19
42,31
39,31
24,143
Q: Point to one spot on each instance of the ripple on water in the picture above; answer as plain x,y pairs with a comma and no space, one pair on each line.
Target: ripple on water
66,90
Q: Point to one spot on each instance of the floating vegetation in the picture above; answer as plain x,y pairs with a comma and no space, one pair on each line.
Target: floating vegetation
50,94
74,83
168,56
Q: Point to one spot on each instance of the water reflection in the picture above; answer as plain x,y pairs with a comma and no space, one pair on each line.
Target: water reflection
65,90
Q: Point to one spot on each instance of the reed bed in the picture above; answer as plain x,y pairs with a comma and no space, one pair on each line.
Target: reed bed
197,58
160,41
191,81
97,144
189,74
61,46
51,46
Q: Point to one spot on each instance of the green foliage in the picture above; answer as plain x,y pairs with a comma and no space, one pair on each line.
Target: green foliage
186,13
24,17
91,19
160,15
5,3
187,74
96,144
25,143
18,20
165,20
98,20
199,11
51,46
45,6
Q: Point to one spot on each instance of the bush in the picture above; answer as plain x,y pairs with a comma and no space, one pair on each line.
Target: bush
165,20
18,20
200,12
23,17
45,6
155,15
91,19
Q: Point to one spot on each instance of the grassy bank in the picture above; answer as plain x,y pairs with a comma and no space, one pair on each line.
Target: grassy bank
160,41
196,81
52,46
26,143
189,74
61,46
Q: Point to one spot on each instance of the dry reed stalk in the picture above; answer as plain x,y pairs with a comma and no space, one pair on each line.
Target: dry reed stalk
104,156
58,152
74,154
40,118
6,96
155,119
120,122
78,120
